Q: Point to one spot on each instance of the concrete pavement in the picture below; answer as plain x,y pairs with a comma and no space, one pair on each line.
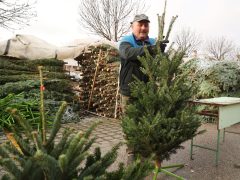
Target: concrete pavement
202,167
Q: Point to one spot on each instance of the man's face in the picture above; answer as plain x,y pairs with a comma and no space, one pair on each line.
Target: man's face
140,29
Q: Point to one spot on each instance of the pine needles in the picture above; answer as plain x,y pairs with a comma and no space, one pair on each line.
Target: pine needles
45,157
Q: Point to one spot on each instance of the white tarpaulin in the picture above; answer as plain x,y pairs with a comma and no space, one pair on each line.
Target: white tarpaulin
27,47
31,47
78,47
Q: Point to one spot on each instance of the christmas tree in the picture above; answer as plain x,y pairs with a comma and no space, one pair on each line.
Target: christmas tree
159,119
21,77
39,155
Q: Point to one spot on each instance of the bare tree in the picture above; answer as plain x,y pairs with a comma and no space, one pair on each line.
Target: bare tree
109,18
188,39
220,48
237,54
15,14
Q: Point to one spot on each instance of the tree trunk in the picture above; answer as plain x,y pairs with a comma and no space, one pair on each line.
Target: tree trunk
157,168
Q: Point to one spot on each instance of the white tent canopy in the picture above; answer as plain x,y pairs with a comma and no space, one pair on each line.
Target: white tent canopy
30,47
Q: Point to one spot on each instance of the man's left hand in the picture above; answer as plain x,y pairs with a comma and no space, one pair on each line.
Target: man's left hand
163,45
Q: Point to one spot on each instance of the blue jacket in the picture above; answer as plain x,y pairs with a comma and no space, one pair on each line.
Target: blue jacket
132,40
129,50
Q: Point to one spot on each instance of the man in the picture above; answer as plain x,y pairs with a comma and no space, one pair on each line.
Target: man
130,47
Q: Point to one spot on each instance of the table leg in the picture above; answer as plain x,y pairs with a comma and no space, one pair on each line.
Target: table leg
217,150
223,134
191,149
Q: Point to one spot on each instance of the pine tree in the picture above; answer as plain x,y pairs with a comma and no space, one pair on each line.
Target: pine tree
159,119
38,156
21,76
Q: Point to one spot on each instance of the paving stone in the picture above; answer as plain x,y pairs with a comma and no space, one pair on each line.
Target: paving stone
109,133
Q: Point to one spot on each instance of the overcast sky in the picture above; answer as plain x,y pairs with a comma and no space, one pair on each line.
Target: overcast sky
57,19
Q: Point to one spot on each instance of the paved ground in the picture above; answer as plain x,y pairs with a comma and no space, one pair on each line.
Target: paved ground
201,168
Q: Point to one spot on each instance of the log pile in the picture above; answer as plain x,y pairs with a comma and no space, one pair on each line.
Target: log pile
99,82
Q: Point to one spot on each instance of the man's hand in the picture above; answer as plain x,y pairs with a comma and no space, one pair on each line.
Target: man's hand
163,45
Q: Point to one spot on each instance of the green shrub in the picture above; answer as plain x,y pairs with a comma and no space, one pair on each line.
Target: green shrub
219,79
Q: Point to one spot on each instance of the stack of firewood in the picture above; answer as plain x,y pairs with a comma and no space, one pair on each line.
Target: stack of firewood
99,82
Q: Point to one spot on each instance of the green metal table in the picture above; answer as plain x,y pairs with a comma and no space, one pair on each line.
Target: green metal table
227,113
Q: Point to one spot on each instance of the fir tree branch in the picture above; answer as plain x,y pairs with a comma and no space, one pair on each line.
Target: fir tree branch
60,147
37,141
57,123
62,161
72,148
88,144
24,145
8,163
42,114
98,168
136,169
48,164
73,167
161,23
12,149
91,128
6,177
21,121
170,27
